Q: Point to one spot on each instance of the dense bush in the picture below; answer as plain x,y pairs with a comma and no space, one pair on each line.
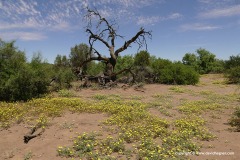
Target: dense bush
20,80
177,73
203,62
124,62
218,66
232,67
94,68
233,74
142,59
233,61
158,64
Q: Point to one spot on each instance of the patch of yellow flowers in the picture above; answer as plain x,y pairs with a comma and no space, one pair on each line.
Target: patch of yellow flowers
153,136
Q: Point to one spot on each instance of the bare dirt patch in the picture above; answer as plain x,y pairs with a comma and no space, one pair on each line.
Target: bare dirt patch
59,132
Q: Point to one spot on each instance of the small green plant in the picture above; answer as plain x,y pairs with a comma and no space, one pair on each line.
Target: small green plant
42,122
65,93
190,107
235,119
100,97
134,97
28,156
177,89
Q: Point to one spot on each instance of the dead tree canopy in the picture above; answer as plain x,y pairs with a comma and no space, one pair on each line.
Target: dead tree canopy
105,32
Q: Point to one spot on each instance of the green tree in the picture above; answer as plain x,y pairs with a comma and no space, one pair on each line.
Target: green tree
58,61
94,68
65,61
218,66
63,74
233,74
206,61
233,61
20,80
158,65
233,69
79,53
11,60
203,62
191,59
61,61
42,72
142,58
124,62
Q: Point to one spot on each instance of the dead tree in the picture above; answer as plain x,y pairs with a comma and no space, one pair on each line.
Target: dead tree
107,34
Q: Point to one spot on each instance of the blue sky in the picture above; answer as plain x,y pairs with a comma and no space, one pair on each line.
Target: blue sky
178,26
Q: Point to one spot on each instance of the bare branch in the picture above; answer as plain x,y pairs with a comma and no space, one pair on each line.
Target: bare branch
94,59
95,36
125,70
138,38
110,28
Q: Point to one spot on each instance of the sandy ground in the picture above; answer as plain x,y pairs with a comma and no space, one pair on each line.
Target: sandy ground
63,129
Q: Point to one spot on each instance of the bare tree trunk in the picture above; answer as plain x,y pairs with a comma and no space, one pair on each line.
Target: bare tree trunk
106,34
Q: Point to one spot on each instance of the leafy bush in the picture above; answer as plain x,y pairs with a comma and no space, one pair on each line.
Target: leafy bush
178,73
18,86
124,62
65,93
142,59
143,74
158,65
20,80
233,69
203,62
63,77
94,68
233,61
233,75
218,66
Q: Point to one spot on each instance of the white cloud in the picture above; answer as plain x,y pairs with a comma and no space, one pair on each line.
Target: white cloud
221,12
198,27
62,26
25,36
148,20
152,20
38,16
175,16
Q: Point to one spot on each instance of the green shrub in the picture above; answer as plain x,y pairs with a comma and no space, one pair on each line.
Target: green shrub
20,80
233,61
65,93
63,78
142,58
233,74
178,73
218,66
235,120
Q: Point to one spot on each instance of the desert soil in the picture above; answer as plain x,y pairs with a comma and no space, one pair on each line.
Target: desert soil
63,129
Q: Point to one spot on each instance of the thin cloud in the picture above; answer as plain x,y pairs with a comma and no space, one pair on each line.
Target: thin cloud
152,20
39,16
148,20
175,16
198,27
222,12
25,36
